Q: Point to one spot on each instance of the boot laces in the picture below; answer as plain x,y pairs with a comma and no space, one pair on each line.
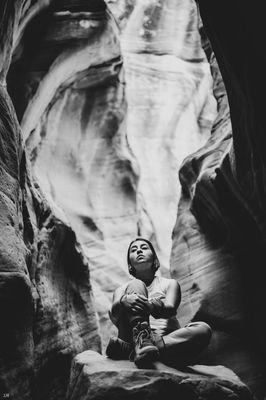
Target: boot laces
143,337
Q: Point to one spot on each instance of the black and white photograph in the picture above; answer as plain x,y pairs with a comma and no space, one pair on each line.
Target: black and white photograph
132,200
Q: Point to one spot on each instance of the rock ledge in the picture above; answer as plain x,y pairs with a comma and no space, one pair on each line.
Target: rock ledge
94,376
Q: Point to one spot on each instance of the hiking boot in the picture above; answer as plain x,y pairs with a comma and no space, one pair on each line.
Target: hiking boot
118,349
145,350
159,342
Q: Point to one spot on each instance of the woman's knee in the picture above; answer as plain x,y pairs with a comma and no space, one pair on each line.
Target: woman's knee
206,330
202,330
136,286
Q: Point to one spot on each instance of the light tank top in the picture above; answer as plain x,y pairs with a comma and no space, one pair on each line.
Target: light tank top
158,289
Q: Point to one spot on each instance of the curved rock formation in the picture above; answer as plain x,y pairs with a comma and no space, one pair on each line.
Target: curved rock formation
63,318
46,310
170,104
218,253
93,155
73,124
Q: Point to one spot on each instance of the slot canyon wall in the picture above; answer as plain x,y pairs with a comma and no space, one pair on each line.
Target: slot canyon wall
109,108
71,177
219,237
46,303
102,112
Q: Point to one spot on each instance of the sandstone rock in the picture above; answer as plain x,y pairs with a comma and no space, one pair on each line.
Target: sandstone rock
46,310
46,307
74,126
94,376
16,337
94,164
64,321
170,104
220,223
202,268
95,135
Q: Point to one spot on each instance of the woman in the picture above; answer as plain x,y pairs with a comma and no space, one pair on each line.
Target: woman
144,311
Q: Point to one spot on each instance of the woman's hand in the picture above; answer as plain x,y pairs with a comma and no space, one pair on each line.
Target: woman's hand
135,303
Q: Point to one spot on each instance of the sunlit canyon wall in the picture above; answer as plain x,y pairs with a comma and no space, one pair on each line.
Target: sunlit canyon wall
110,106
114,104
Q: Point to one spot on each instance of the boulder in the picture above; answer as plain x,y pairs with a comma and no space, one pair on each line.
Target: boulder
94,376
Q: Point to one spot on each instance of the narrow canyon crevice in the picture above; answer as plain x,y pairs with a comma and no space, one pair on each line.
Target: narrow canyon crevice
108,113
101,103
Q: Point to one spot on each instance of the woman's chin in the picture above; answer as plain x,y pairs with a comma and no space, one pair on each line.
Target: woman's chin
140,260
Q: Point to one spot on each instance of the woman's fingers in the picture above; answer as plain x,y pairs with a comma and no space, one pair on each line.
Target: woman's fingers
143,297
142,300
142,306
137,309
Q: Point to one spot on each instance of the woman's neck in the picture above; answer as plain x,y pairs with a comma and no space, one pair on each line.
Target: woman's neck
147,280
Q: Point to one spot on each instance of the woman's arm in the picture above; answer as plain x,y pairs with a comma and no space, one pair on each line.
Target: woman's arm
133,302
167,308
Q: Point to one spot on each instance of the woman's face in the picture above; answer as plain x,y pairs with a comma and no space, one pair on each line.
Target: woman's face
140,254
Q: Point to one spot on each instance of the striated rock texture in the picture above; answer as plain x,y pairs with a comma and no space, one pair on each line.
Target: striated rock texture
96,135
96,377
63,319
199,266
218,241
93,155
170,104
46,308
73,122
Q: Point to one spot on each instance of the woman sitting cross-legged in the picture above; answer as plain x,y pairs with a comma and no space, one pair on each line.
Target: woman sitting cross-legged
144,311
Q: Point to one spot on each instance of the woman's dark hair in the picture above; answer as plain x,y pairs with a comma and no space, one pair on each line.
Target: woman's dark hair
156,263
